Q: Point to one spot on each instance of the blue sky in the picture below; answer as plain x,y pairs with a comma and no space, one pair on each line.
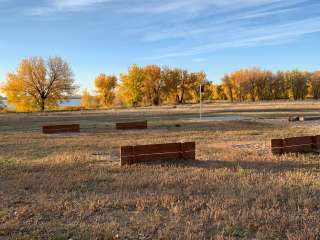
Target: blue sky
218,36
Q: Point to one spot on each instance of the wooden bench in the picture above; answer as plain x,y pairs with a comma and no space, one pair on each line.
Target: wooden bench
132,125
296,145
55,129
145,153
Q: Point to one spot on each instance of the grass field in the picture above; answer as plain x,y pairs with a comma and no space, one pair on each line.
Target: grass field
71,186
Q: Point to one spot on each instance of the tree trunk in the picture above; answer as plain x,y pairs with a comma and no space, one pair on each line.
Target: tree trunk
181,97
42,105
156,97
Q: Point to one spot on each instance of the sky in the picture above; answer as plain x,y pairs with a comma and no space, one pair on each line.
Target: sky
217,36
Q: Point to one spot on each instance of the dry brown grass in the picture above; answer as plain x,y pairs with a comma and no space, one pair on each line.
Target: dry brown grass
72,187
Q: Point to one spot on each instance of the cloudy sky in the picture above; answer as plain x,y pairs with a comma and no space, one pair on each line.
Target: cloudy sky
217,36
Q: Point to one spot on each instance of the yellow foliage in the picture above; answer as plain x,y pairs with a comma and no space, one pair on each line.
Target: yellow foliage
152,86
217,92
130,89
14,91
105,86
178,85
298,82
39,85
197,79
314,85
88,101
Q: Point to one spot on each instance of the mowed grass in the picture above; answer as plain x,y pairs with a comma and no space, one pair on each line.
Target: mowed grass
71,186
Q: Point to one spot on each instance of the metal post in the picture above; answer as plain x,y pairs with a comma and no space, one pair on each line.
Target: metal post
200,102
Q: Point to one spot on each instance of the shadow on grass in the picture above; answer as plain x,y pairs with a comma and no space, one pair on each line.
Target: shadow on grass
261,166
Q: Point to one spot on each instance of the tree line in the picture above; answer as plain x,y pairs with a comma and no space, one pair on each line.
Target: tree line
146,86
255,84
41,84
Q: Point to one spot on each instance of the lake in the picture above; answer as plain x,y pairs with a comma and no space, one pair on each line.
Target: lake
71,103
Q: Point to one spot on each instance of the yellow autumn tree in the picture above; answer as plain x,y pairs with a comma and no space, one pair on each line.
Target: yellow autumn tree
217,92
38,84
153,84
177,85
197,79
314,85
228,88
131,87
87,101
13,89
105,86
298,84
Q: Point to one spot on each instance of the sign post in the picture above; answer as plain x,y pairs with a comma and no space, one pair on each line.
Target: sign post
201,89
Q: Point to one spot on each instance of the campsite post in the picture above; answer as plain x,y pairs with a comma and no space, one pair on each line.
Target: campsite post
201,101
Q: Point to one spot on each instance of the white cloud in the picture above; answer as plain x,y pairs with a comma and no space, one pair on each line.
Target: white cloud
150,7
76,3
183,6
62,6
231,24
193,27
253,37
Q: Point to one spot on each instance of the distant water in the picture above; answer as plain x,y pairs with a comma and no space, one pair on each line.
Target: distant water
71,103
